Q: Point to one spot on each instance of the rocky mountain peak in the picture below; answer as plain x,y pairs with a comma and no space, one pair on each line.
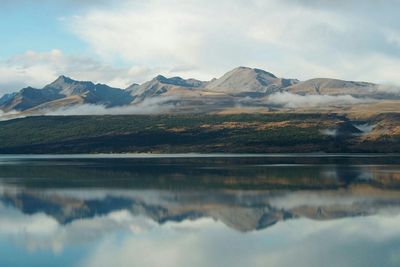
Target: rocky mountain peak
64,79
247,70
247,81
178,81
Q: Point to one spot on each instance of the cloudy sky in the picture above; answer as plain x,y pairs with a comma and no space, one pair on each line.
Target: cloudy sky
126,41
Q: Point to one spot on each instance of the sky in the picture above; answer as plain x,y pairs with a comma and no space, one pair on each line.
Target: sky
131,41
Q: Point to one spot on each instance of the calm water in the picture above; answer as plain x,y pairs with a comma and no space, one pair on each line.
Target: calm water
289,210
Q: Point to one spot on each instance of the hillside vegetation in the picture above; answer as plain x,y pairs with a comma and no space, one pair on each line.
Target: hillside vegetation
244,133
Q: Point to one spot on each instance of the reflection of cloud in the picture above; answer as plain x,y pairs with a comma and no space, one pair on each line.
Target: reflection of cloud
369,241
13,222
122,239
42,232
179,251
297,243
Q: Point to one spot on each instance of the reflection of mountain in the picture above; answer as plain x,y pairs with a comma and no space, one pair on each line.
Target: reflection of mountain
243,211
244,193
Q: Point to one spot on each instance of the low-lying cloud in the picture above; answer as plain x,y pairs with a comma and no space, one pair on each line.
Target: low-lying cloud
289,100
329,132
152,106
157,105
389,89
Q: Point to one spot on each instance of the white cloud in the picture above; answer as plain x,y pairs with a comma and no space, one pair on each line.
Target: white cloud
290,100
37,69
203,39
207,38
156,105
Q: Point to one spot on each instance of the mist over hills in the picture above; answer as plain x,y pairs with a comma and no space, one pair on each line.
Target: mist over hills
241,89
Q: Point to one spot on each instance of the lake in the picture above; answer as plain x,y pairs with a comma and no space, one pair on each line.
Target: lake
200,210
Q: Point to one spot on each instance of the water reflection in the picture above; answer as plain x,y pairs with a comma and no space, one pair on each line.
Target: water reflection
310,211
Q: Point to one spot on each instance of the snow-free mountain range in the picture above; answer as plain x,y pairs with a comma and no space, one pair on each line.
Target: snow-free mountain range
241,89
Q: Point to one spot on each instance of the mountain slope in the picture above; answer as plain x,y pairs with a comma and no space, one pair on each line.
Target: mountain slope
249,82
91,93
244,133
335,87
64,88
161,85
29,97
236,91
5,98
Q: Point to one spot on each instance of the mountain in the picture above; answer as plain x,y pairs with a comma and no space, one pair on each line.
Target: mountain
64,91
240,90
161,85
91,93
27,98
335,87
325,86
5,98
245,81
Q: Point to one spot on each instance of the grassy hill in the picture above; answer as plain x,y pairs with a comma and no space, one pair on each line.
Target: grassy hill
244,133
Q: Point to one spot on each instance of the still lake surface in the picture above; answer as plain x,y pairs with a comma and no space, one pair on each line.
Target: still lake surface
200,210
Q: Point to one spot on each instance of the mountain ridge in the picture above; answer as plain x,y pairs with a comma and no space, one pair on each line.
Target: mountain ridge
242,86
